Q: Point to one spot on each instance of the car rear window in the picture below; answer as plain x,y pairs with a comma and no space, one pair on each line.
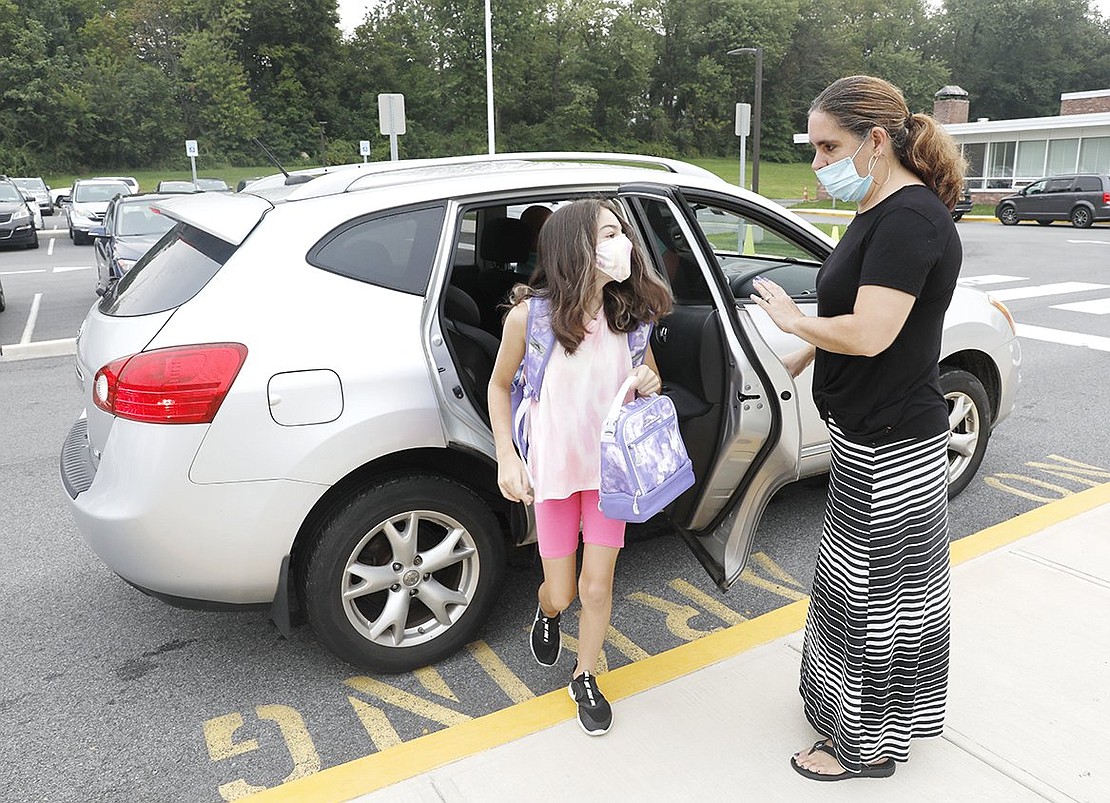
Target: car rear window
169,274
393,250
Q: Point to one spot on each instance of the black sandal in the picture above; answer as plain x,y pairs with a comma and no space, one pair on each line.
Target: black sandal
884,769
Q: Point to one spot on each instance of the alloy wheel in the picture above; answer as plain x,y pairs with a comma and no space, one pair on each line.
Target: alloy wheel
965,425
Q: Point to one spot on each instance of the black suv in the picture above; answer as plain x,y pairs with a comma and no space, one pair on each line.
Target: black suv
1082,198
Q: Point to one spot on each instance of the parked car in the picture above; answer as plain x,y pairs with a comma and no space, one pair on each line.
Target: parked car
17,216
1081,198
285,399
37,187
130,181
86,204
3,301
176,187
963,205
131,226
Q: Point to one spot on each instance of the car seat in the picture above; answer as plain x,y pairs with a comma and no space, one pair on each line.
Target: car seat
475,348
505,242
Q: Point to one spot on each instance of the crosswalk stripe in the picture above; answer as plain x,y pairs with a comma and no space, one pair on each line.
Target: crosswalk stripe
1041,290
1097,306
990,278
1064,338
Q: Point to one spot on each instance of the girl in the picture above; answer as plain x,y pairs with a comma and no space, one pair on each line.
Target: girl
599,287
875,655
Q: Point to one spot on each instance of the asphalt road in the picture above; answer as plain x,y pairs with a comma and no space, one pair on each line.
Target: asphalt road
108,695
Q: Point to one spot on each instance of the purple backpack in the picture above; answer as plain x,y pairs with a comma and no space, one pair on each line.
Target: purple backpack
631,489
644,464
539,340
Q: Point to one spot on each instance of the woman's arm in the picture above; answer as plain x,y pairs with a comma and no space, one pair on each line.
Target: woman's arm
512,478
875,320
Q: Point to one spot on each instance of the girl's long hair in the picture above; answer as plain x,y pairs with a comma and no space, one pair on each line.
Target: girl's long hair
565,274
859,103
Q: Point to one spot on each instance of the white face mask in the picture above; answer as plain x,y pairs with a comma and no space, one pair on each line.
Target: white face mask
614,257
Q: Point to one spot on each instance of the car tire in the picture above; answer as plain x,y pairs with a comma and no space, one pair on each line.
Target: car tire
392,628
1008,215
35,242
1081,217
969,416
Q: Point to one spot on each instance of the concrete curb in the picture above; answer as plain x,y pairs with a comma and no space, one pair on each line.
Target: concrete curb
43,348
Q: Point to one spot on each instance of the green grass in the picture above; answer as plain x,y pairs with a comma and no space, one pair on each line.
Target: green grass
778,181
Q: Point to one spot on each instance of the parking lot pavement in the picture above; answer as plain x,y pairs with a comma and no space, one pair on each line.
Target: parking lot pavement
720,717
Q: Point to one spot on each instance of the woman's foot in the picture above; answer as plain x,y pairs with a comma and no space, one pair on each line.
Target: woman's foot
818,762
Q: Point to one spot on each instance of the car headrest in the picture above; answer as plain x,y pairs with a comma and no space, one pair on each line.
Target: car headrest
461,308
505,240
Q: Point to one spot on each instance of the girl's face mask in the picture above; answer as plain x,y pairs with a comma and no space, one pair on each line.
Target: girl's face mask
614,257
841,180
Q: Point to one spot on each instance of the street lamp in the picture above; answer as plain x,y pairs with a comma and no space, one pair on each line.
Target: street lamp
757,113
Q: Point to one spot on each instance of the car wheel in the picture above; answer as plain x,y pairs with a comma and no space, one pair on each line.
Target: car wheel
969,412
35,242
1045,222
1008,216
404,573
1081,217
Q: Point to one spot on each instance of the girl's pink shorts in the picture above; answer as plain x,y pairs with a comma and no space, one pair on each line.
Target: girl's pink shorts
558,522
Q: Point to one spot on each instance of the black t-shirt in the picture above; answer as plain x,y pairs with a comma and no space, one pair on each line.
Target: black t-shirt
907,242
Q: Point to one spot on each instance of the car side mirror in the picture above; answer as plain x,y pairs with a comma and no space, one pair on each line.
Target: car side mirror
98,231
28,196
62,199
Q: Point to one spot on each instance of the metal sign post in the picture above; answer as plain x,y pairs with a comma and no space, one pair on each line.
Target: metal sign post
364,149
743,128
391,119
191,151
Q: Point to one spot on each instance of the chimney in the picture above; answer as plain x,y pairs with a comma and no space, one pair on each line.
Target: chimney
950,105
1085,102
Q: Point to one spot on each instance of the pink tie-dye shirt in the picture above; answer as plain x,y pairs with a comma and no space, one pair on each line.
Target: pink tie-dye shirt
578,389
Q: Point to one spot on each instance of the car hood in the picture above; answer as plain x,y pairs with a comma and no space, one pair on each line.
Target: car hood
93,208
11,207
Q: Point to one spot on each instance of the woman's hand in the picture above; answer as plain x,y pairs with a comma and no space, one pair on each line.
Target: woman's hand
798,361
777,303
647,381
512,479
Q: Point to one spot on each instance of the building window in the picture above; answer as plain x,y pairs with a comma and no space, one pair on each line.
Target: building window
1094,155
1062,155
976,155
1001,175
1030,160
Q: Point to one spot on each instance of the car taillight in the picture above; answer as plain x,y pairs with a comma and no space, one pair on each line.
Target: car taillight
1106,197
180,385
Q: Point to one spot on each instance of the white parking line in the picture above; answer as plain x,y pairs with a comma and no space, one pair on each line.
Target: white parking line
1098,306
70,268
30,327
1065,338
15,272
1091,242
50,247
1038,291
990,278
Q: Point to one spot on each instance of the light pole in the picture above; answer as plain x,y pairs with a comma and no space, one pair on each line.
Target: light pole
757,113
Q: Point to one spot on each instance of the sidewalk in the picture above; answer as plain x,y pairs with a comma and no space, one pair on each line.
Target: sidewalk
1028,706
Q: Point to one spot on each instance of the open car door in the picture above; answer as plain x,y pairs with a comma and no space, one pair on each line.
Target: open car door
737,403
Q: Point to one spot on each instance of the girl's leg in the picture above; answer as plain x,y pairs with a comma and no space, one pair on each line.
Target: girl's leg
558,522
595,588
558,589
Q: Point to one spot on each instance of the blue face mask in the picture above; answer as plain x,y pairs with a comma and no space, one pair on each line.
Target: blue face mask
841,180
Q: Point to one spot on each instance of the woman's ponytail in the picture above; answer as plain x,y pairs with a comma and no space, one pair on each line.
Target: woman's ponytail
932,154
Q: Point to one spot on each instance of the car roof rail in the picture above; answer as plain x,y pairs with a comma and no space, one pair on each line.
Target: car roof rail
342,180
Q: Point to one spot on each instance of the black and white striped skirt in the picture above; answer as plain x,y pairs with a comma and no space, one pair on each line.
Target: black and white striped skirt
875,656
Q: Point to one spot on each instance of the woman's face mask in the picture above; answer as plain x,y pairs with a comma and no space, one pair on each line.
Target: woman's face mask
841,180
614,257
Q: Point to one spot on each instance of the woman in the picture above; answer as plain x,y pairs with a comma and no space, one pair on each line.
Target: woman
875,658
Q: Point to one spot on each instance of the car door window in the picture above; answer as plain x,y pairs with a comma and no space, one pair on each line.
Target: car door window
1088,184
395,250
1036,188
1058,185
745,247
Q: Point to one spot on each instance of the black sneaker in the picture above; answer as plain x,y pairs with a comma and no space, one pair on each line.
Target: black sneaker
546,640
595,715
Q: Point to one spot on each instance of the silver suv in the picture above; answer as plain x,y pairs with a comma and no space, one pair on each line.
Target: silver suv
285,397
1082,198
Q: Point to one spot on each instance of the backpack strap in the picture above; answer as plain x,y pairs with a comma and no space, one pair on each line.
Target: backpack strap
539,343
638,340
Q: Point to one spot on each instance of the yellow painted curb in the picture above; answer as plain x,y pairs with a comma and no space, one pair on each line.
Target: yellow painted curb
379,770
